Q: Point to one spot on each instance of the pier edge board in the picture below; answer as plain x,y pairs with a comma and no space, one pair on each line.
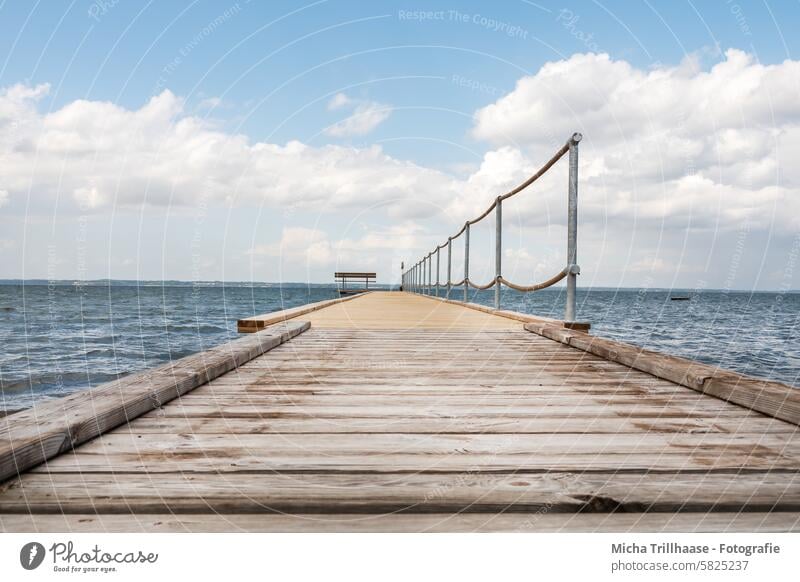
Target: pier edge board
31,437
259,322
408,523
769,397
515,315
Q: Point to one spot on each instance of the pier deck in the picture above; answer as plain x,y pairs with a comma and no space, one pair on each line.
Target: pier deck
404,413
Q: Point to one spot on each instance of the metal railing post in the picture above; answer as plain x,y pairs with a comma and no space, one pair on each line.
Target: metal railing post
449,265
498,250
430,281
572,229
424,276
466,261
437,270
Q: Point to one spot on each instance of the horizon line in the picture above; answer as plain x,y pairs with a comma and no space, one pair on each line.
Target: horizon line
187,282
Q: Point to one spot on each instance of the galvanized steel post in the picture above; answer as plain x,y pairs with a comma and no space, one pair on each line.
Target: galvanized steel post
449,265
430,281
466,261
425,275
437,270
572,229
498,250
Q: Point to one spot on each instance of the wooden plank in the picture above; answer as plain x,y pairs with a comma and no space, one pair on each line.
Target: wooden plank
32,436
177,423
400,404
343,413
768,397
258,322
393,492
381,310
151,453
515,315
408,523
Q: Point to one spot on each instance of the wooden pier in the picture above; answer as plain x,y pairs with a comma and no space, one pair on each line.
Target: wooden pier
400,412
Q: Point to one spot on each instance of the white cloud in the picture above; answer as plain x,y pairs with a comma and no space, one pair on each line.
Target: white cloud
313,247
366,117
671,157
89,198
210,103
338,101
675,144
100,154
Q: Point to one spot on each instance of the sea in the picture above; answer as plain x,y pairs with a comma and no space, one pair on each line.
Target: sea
62,337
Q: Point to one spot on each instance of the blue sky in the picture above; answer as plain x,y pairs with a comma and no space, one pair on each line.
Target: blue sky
255,55
416,74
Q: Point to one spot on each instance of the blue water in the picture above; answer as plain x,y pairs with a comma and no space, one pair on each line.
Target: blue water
62,338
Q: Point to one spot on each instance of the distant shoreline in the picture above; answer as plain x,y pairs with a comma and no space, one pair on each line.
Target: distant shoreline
299,285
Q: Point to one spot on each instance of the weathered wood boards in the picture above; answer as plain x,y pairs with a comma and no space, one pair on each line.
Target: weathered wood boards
258,322
449,419
30,437
382,310
515,315
772,398
424,492
405,522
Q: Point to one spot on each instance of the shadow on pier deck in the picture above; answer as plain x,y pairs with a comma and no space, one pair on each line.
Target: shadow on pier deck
396,412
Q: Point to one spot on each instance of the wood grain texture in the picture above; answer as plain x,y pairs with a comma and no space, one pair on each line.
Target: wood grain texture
30,437
768,397
447,419
407,523
259,322
381,310
515,315
518,492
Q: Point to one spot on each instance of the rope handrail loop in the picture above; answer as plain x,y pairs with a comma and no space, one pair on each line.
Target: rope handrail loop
489,285
543,285
571,270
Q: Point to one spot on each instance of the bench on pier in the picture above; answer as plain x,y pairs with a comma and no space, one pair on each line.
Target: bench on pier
342,279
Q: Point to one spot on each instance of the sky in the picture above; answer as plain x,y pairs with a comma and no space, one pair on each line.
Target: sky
282,141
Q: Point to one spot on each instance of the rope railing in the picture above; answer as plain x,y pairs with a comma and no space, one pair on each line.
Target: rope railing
418,278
